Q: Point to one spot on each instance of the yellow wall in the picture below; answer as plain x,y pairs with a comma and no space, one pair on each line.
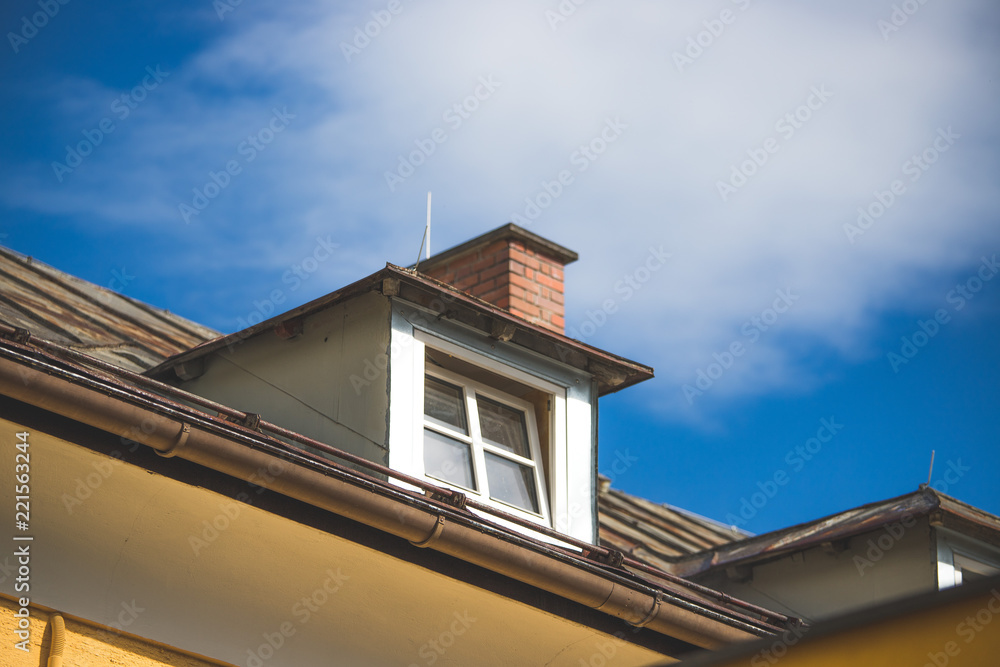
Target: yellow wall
962,632
86,644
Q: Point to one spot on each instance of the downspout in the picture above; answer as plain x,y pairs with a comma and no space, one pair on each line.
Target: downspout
426,527
58,644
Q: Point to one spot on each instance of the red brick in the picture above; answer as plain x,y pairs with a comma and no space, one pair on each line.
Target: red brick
467,283
516,267
486,262
493,271
525,258
462,270
499,297
528,285
497,247
525,310
559,323
555,285
482,287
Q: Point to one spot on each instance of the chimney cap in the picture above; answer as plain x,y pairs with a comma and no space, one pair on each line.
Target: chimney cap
509,231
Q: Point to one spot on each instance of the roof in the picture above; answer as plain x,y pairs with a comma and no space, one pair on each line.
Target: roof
83,316
941,510
611,371
654,533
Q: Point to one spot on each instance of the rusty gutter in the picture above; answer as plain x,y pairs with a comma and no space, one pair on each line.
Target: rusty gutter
175,431
457,499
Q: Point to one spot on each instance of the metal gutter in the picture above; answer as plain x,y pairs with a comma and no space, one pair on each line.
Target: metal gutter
173,429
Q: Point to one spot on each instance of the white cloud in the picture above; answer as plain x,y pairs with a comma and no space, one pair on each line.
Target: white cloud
655,185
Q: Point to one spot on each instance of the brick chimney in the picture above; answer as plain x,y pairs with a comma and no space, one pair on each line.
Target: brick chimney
511,268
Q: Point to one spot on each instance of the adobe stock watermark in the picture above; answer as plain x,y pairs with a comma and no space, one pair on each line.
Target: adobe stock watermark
786,126
968,628
699,43
879,546
914,167
373,369
120,279
363,35
625,288
892,533
623,462
122,107
581,158
792,635
31,25
796,459
231,510
563,11
706,378
899,17
455,116
85,486
223,7
605,651
302,611
432,650
958,297
248,150
294,277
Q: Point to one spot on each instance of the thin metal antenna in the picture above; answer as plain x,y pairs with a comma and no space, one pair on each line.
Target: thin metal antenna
931,471
427,235
428,255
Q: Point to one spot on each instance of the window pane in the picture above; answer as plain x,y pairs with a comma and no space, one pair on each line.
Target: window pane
443,404
448,459
503,426
511,482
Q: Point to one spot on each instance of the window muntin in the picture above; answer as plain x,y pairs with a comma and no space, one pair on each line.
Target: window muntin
448,459
444,405
495,454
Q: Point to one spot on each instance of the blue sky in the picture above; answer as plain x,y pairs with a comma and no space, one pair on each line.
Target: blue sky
825,180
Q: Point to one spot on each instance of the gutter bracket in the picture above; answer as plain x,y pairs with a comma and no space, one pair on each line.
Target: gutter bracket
177,444
503,331
653,611
251,420
20,335
456,500
614,558
435,534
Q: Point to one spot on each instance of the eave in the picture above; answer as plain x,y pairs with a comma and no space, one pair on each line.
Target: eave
940,509
611,372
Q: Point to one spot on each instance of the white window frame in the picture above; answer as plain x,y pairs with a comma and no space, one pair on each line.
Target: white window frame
570,450
471,390
956,553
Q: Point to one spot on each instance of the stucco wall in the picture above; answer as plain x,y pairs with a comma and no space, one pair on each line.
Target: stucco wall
86,644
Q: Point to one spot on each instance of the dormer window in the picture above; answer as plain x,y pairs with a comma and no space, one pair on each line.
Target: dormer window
468,384
483,441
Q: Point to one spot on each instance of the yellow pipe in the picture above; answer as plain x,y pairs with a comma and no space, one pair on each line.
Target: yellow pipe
58,626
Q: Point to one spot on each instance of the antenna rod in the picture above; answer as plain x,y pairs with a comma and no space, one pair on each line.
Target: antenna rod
931,471
426,238
428,255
